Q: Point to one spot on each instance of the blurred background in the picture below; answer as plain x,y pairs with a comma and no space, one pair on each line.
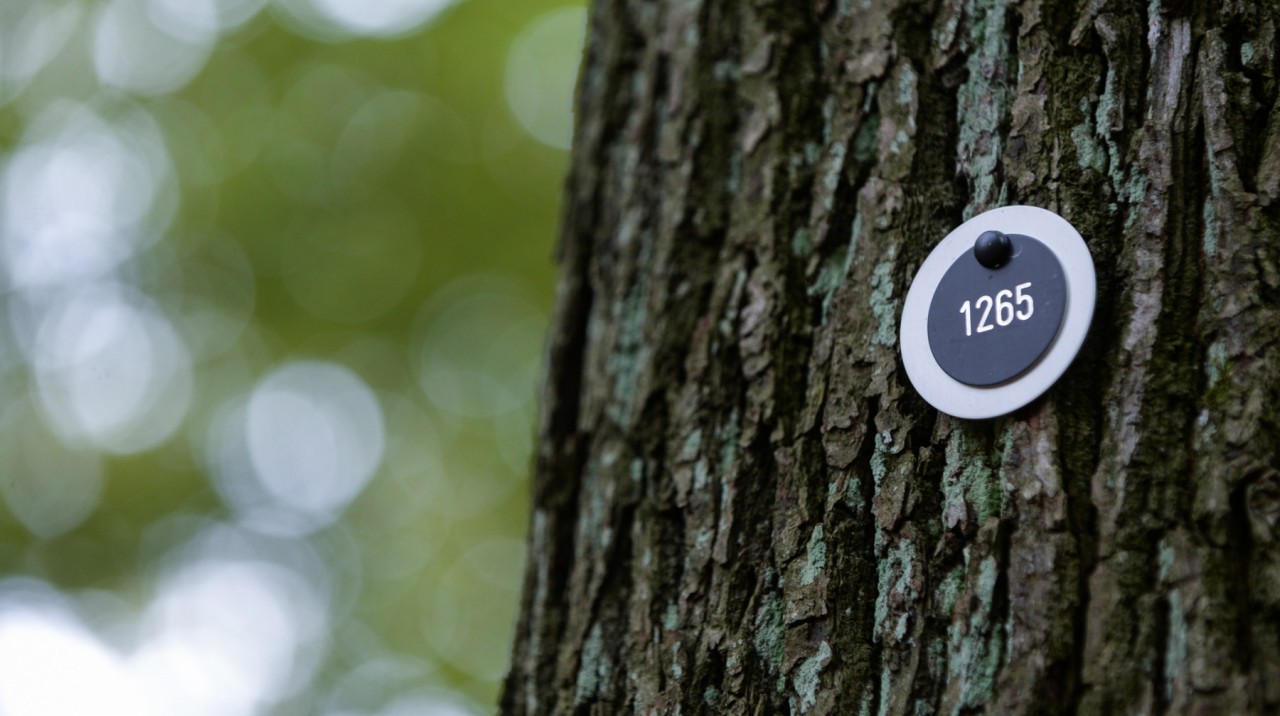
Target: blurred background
275,279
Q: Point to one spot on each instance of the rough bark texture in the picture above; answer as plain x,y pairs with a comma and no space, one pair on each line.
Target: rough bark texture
742,506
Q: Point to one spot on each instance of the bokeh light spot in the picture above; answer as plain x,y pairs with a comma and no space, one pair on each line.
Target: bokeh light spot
75,202
467,621
150,49
293,455
52,664
111,371
222,637
49,488
542,71
30,40
196,21
380,17
429,704
479,357
315,435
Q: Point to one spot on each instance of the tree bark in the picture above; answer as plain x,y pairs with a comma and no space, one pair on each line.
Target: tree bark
742,506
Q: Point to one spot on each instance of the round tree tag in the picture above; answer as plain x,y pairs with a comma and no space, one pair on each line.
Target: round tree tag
997,312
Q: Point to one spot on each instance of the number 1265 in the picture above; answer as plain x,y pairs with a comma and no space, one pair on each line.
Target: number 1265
1005,310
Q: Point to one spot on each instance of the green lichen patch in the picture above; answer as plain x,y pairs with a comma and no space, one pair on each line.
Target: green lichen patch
1090,154
982,101
976,644
770,635
884,307
594,669
815,559
894,574
969,485
807,679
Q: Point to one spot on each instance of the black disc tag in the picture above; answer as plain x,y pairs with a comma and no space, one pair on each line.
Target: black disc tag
989,325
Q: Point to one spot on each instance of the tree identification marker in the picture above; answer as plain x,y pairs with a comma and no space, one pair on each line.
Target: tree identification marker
997,312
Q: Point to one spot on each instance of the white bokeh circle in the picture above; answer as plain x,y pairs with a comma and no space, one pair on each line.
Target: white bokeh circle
289,457
966,401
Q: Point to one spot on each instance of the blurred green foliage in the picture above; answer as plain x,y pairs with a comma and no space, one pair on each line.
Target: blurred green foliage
276,280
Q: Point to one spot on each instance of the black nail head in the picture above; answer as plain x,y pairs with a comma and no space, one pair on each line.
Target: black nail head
992,249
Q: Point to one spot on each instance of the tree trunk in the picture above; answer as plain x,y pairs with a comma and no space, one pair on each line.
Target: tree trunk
741,504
